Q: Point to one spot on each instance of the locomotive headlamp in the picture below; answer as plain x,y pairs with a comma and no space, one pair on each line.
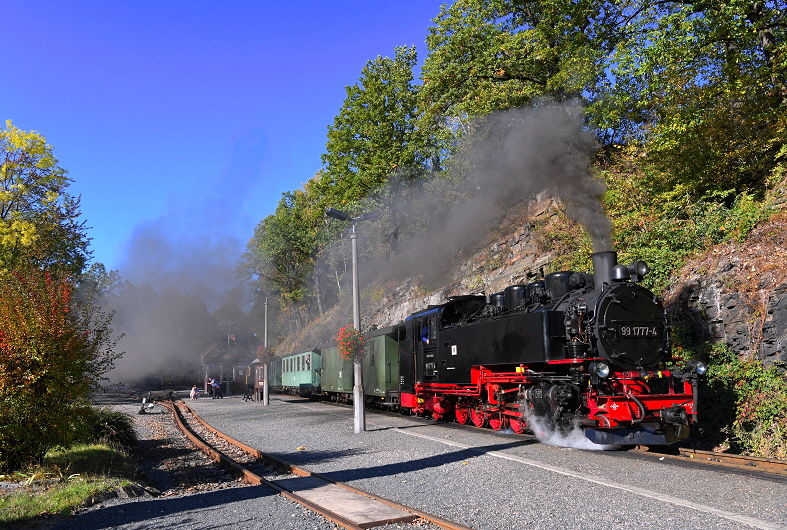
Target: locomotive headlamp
638,269
696,366
599,369
602,369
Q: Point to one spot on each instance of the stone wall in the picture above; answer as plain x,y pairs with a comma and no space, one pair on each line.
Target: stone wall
737,294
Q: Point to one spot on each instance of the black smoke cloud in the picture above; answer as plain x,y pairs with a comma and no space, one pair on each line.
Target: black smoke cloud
508,158
520,153
181,266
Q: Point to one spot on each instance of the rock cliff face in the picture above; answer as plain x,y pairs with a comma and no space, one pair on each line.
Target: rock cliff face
504,256
737,293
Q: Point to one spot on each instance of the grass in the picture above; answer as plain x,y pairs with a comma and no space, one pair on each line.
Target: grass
69,478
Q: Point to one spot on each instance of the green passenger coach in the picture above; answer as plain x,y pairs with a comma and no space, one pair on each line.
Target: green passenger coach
300,373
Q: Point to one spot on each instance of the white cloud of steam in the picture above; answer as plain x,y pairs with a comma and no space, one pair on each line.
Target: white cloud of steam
548,434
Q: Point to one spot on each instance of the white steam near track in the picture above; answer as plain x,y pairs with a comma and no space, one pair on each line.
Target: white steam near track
575,438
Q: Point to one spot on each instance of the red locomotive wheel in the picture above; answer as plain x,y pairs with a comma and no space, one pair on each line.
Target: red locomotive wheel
462,415
518,426
478,417
498,422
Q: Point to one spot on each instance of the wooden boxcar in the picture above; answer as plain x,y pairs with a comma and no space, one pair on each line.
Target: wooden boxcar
337,380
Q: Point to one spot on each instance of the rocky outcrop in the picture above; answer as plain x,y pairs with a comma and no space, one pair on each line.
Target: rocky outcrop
510,254
506,255
737,294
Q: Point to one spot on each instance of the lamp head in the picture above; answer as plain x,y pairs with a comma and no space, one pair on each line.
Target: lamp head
337,214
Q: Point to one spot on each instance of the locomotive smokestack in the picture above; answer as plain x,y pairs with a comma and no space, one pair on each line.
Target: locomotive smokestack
602,267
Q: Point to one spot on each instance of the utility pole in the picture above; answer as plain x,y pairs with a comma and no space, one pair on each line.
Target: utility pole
265,387
359,412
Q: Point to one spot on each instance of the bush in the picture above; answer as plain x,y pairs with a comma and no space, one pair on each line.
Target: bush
112,427
746,402
668,227
52,355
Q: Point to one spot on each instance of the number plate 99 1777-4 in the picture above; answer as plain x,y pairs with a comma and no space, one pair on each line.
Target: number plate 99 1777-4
631,331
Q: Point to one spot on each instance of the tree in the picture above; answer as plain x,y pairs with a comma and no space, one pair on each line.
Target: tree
704,85
39,219
279,256
492,55
96,284
52,355
373,134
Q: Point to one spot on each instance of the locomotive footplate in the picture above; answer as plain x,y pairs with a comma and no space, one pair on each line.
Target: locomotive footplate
647,434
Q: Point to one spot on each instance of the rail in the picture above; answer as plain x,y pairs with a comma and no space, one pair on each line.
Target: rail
252,478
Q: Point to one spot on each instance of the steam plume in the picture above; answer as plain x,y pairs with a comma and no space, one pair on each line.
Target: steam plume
523,152
549,435
507,158
181,267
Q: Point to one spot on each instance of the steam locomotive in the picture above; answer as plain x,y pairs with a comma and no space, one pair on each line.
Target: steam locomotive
578,350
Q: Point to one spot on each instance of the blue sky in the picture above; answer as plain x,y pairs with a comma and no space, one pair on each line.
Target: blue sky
188,119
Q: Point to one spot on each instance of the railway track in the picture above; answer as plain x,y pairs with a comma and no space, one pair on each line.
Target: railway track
748,463
340,503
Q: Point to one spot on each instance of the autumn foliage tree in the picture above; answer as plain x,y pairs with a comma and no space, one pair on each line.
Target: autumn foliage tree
52,355
39,219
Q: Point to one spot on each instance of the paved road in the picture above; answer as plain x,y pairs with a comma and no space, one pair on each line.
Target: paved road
491,480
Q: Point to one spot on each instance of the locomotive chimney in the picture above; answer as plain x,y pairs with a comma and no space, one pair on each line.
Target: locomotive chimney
602,267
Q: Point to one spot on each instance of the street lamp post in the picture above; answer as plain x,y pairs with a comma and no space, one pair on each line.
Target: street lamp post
265,387
359,415
265,374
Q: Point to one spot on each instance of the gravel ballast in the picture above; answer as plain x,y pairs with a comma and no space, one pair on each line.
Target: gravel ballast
493,480
181,488
476,477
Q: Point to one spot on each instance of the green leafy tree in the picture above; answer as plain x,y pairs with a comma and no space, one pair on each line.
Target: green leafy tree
96,284
373,134
500,54
52,355
39,219
279,256
703,86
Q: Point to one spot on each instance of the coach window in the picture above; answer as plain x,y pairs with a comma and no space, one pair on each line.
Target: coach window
306,362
